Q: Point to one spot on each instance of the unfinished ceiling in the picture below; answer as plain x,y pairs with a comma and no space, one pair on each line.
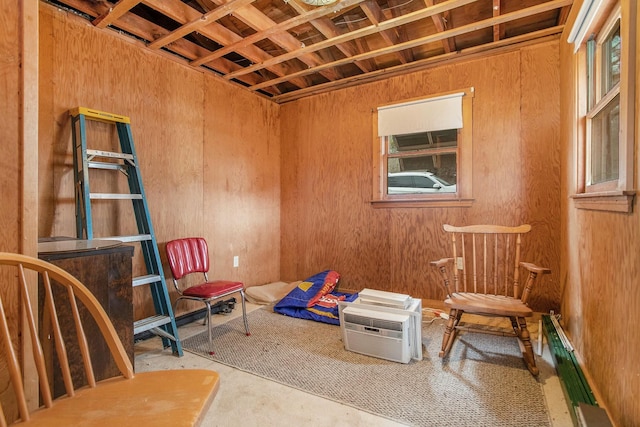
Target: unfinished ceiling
287,49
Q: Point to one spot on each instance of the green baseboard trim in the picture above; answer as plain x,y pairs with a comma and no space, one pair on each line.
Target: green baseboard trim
574,384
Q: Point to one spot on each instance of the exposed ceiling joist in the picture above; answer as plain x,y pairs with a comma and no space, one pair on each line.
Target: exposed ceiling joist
286,49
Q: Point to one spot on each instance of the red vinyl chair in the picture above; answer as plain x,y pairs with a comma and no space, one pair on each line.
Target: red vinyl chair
191,255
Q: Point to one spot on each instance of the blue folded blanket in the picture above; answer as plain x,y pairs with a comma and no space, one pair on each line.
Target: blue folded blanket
315,299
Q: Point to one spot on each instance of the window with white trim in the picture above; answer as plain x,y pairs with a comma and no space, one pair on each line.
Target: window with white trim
422,151
604,39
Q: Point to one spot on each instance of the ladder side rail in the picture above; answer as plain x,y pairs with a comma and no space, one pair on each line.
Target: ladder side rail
163,322
84,222
149,248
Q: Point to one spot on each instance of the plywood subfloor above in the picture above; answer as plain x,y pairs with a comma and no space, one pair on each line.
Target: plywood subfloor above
288,49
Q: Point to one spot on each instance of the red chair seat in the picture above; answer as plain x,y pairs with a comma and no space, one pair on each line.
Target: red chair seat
213,289
191,255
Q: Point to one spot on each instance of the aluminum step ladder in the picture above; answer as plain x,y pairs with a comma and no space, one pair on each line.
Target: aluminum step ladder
163,323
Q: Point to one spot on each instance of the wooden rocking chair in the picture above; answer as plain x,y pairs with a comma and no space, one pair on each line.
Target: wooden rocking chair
159,398
485,266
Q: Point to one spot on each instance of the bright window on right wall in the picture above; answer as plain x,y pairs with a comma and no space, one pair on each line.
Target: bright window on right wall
604,36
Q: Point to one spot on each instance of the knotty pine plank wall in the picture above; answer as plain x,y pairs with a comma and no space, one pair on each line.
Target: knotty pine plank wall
209,151
600,269
329,223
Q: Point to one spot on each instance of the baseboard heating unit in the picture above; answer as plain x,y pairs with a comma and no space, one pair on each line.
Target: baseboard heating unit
389,329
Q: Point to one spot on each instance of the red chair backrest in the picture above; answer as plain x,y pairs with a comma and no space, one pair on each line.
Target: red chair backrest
189,255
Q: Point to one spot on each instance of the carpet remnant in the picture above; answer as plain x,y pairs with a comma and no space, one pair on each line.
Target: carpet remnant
483,381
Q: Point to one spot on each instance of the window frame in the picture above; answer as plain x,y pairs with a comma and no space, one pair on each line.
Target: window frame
464,171
615,195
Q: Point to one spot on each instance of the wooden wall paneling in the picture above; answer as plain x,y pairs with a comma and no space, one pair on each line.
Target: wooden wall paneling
600,255
29,172
241,181
497,158
10,175
361,234
318,182
292,140
18,162
87,74
540,109
407,234
166,104
168,133
326,190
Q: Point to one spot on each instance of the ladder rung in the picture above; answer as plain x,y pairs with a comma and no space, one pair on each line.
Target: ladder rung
136,238
115,196
105,165
143,325
145,280
109,154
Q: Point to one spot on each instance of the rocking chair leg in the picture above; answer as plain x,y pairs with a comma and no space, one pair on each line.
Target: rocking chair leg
525,338
450,332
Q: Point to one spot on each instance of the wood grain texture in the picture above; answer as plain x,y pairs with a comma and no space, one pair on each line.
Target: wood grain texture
540,145
107,274
241,185
208,151
600,259
18,34
328,221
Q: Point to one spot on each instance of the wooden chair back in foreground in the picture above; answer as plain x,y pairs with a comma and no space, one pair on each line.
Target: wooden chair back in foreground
159,398
482,277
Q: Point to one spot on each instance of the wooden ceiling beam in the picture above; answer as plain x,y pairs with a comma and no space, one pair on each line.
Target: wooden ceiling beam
200,22
253,17
394,6
362,32
563,15
329,29
112,14
145,30
349,48
373,11
440,21
361,43
422,64
522,13
181,12
498,30
275,29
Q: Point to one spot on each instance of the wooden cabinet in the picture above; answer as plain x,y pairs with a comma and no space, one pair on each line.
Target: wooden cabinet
105,269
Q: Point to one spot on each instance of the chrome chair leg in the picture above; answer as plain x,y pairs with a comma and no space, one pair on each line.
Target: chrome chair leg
244,314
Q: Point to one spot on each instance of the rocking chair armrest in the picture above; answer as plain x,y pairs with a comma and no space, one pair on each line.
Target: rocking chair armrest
441,265
534,268
441,262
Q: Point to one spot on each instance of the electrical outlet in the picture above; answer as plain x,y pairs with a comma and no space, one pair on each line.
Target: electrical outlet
236,261
459,264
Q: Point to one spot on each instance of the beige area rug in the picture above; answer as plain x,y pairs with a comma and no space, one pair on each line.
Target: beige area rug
483,382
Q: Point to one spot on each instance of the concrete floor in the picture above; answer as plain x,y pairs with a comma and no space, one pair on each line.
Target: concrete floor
247,400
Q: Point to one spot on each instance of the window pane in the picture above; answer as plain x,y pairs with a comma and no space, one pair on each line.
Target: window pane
423,140
591,81
604,140
611,60
422,174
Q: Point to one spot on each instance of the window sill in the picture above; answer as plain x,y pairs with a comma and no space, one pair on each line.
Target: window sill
422,203
612,201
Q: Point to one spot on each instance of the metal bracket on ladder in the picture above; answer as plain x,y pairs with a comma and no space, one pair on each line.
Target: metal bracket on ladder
163,323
